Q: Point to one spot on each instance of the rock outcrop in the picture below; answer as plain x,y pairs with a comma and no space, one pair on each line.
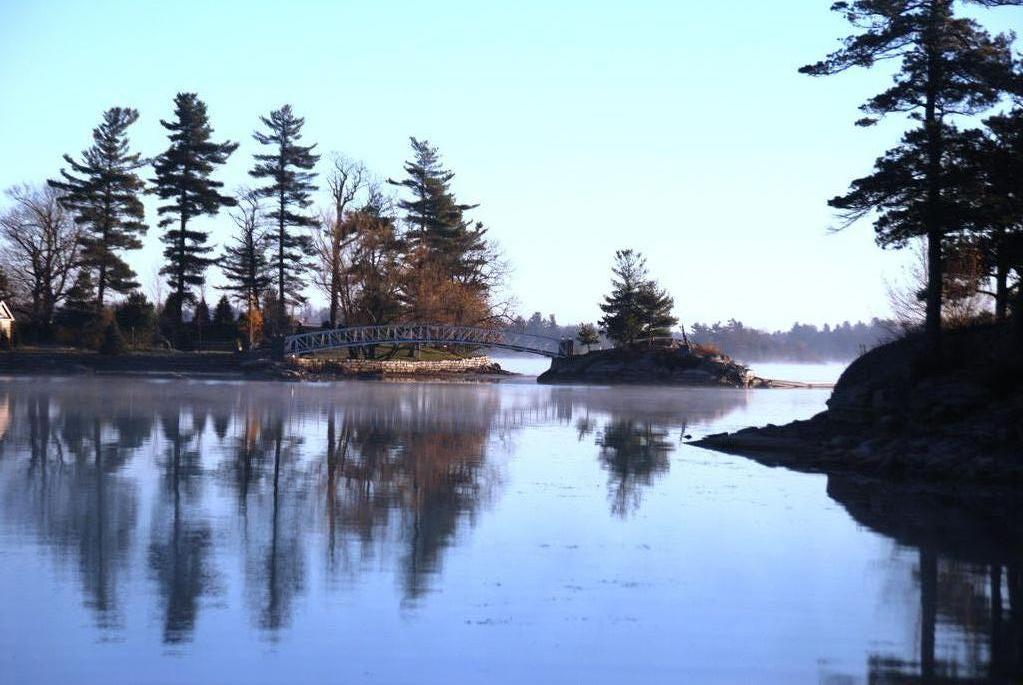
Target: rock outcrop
905,411
655,366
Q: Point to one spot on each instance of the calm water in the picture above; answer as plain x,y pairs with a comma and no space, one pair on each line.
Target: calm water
166,532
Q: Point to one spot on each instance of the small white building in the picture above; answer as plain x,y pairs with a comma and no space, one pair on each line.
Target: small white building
6,321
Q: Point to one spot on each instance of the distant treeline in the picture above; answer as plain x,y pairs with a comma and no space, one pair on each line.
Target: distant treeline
802,342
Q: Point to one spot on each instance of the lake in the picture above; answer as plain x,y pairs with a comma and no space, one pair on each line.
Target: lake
185,531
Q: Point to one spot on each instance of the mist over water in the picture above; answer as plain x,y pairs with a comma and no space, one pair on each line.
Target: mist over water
392,532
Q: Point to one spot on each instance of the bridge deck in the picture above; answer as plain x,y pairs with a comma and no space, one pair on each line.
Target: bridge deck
425,334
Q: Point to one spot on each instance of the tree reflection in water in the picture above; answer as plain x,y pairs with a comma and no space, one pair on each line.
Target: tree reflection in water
633,453
72,493
409,467
969,548
397,470
181,546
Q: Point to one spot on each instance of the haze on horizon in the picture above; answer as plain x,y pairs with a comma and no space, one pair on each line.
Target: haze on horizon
681,131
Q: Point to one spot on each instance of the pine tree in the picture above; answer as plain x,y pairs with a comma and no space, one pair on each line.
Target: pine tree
112,342
201,321
438,230
183,177
223,318
103,191
79,304
636,307
993,163
289,170
137,315
223,315
244,263
948,66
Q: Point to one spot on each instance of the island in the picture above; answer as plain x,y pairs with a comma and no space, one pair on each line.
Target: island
674,364
905,410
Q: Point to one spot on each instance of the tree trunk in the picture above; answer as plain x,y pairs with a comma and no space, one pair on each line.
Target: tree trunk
179,315
334,285
281,308
101,287
1001,290
1017,315
932,215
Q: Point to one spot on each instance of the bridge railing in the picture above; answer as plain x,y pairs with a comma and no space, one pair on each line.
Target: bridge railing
429,334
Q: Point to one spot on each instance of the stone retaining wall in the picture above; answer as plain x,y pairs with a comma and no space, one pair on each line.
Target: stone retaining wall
396,366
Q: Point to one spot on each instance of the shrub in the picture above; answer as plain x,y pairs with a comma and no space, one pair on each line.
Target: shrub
113,342
708,349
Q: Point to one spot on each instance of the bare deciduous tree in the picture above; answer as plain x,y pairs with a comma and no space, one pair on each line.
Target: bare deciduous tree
40,243
334,237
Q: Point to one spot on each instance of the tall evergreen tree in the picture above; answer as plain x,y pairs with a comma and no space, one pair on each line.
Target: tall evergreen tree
223,317
183,177
288,169
244,263
636,307
993,164
438,231
948,66
103,190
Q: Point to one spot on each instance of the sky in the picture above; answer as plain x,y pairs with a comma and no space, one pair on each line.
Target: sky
679,129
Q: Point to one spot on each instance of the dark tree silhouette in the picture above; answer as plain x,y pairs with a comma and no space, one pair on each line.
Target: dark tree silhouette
992,164
183,178
103,191
948,66
289,172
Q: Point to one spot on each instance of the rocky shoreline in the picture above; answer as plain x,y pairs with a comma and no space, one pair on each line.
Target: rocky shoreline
901,411
231,366
652,366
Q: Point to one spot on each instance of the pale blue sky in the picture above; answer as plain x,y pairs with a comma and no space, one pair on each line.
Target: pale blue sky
678,128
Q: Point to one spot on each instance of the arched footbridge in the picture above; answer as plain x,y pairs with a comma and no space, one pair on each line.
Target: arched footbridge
425,334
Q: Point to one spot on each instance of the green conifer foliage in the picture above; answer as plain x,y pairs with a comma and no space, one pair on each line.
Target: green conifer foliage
288,171
103,189
636,307
183,180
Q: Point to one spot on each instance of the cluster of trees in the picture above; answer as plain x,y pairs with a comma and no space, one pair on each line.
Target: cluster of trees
802,342
949,183
377,258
